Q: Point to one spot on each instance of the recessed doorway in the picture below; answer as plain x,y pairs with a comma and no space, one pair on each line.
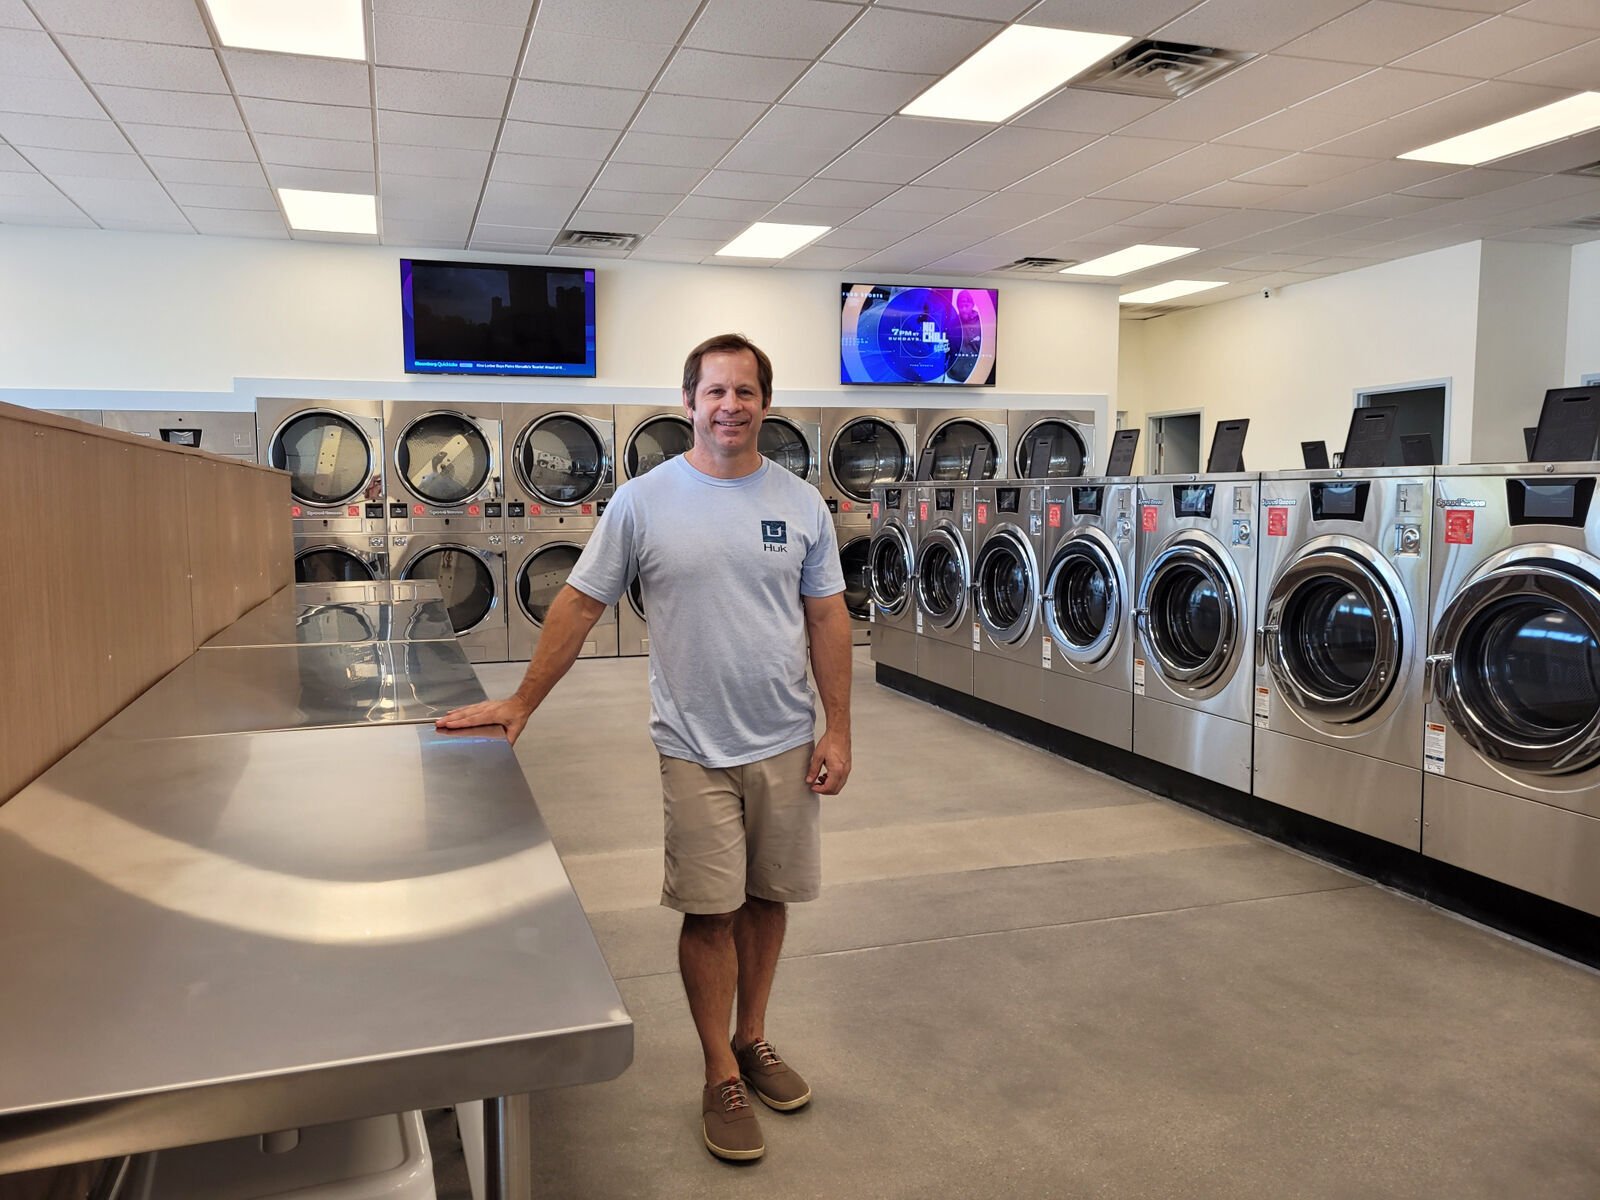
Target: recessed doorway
1174,447
1424,408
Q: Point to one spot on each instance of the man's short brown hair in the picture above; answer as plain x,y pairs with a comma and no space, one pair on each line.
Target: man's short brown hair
727,343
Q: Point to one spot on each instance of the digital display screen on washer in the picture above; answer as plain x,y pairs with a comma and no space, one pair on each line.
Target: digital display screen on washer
1339,501
891,497
466,318
1008,500
944,499
1086,501
912,336
1549,502
1193,499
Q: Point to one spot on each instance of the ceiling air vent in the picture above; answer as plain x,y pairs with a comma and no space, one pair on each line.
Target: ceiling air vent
1164,70
1039,266
589,239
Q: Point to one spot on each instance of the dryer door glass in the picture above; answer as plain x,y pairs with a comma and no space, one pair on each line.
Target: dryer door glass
890,575
561,460
942,579
953,444
1522,682
1005,587
328,459
1192,617
783,442
444,458
867,452
542,577
657,440
1067,457
332,564
636,597
1332,636
856,560
465,581
1084,606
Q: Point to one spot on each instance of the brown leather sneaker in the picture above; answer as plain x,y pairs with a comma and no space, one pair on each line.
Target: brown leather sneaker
729,1123
777,1083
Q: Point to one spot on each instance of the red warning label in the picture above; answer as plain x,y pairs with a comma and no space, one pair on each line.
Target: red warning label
1277,522
922,510
1458,526
1055,516
874,510
1148,515
586,509
983,514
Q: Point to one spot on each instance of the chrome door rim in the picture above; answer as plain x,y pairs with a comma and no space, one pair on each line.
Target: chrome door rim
993,466
1006,539
633,438
488,445
374,460
606,464
946,537
881,543
366,563
800,436
1020,449
901,476
482,557
1195,556
536,552
1091,545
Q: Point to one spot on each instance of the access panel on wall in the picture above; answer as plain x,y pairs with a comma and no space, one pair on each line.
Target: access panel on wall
897,336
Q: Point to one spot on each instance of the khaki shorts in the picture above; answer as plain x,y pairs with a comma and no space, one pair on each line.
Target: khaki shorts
750,830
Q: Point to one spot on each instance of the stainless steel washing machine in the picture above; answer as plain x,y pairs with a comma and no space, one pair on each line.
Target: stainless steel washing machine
1343,603
333,453
1193,676
1512,744
891,576
470,569
341,558
954,433
561,465
1089,580
792,438
1064,441
447,466
538,565
863,448
647,436
633,630
1007,543
947,630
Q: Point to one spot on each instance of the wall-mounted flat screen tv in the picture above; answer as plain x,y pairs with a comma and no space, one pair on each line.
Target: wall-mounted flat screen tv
465,318
894,336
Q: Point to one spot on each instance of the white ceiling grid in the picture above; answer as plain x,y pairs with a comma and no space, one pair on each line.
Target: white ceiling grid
495,124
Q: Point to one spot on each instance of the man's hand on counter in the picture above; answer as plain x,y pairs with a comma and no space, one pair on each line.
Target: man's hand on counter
508,713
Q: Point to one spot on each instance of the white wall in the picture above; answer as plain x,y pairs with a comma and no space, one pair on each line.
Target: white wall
1583,314
1293,363
1522,336
146,315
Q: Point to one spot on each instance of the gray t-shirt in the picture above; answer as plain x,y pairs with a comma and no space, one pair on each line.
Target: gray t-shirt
723,564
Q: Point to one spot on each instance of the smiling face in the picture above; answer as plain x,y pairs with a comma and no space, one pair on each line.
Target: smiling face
726,411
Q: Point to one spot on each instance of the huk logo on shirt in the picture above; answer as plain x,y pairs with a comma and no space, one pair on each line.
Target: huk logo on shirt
775,536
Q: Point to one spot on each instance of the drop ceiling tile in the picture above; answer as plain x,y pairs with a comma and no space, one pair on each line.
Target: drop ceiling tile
657,21
1560,12
729,76
1100,164
409,205
664,244
1368,182
890,221
1257,25
136,224
1380,32
440,161
321,179
174,21
794,29
701,228
650,253
1085,216
831,215
854,237
1557,237
124,197
1298,170
199,170
922,137
146,106
27,185
1577,69
236,223
591,61
10,160
14,14
1006,210
1495,47
1477,105
205,195
669,150
893,261
443,235
866,167
1184,173
886,39
449,93
572,104
425,129
457,192
842,192
1337,263
747,185
62,133
145,64
718,208
935,201
1231,227
1386,92
788,124
645,177
997,167
610,222
1295,129
1459,185
854,89
551,172
1388,206
495,235
527,137
774,158
48,97
1083,111
821,258
445,44
1233,194
30,54
704,116
1163,217
315,152
1273,262
290,77
87,164
1564,155
54,209
657,204
490,12
1258,89
526,205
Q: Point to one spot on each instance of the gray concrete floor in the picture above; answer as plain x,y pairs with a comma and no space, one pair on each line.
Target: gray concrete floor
1027,979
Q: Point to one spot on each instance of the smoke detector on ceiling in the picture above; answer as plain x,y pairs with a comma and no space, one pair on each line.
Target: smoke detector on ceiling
1039,266
1163,70
589,239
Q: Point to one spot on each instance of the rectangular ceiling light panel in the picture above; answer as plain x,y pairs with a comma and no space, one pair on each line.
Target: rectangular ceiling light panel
769,239
1021,64
1168,291
330,212
320,28
1125,262
1563,119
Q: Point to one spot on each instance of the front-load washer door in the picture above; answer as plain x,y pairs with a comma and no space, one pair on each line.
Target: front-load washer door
328,458
1005,575
444,459
890,569
1516,666
855,559
1189,617
561,459
465,580
1084,599
1333,637
785,443
868,451
543,575
942,577
655,441
332,564
1066,458
953,444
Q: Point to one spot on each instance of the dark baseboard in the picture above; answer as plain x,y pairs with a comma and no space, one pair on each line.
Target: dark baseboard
1556,927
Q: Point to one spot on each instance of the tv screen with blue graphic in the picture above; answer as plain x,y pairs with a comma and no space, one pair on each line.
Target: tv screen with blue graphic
896,336
465,318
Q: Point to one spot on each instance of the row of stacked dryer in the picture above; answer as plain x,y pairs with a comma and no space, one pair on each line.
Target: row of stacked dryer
1414,655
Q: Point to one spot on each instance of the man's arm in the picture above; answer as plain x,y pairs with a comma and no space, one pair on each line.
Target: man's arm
828,623
572,615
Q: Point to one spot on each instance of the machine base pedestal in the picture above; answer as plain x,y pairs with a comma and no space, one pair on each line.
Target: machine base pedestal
1351,790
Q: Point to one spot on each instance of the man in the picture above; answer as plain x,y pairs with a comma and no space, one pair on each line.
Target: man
739,565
